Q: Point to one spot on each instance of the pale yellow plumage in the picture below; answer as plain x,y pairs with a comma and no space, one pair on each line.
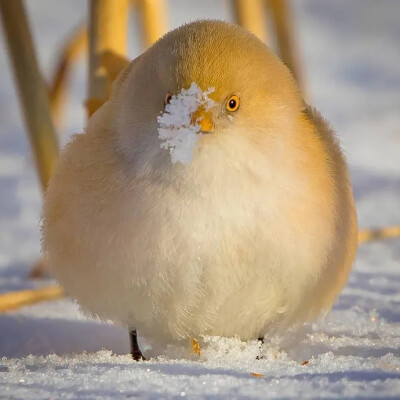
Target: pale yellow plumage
257,234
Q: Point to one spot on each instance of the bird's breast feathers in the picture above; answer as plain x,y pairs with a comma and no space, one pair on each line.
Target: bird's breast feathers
156,246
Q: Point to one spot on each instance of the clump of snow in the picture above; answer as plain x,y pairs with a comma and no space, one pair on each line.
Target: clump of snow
212,348
229,349
177,132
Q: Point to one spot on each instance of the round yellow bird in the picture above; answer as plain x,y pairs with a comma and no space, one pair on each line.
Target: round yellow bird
257,232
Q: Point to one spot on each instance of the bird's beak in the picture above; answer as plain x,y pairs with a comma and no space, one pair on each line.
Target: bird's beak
203,118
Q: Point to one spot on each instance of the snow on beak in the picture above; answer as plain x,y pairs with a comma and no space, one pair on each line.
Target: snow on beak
202,118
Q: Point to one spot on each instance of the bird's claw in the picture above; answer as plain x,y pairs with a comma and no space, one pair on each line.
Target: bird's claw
138,356
195,347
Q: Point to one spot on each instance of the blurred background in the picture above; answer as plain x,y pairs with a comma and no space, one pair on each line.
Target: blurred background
348,56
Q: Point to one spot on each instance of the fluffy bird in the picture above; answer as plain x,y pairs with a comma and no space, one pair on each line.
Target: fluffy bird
256,234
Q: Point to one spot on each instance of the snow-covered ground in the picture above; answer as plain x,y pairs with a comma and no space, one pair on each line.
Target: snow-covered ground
351,53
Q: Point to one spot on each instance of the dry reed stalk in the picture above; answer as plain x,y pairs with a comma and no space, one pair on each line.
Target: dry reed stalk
251,15
14,300
153,17
369,235
32,91
107,33
282,21
74,46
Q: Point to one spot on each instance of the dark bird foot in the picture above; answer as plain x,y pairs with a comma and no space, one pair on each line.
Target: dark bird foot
260,339
135,351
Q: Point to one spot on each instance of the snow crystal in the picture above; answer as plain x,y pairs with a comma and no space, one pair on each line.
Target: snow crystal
177,132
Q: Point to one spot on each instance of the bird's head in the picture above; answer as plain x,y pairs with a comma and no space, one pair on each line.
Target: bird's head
254,96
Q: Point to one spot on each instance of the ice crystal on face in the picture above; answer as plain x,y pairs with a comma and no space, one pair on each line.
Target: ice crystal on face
175,130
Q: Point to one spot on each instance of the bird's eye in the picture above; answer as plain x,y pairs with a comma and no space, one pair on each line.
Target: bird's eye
232,103
167,99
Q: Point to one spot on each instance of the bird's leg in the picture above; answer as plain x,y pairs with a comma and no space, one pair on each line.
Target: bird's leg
260,339
195,346
135,351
